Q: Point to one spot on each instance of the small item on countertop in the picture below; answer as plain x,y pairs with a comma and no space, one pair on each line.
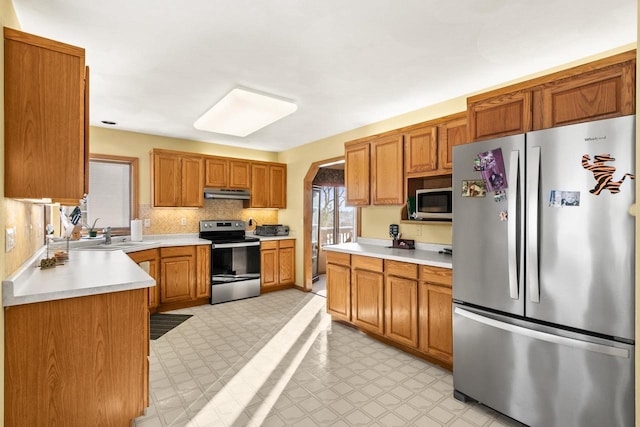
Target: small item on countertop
446,251
394,231
76,215
76,234
48,263
404,244
136,230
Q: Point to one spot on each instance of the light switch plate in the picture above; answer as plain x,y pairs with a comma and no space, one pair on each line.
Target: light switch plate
147,222
9,239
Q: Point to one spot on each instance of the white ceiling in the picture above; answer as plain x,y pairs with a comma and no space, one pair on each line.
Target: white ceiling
158,65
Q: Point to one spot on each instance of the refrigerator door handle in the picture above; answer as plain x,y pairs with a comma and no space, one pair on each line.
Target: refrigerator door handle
512,205
533,175
544,336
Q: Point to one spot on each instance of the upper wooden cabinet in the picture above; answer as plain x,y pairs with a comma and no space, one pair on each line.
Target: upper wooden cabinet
598,90
452,132
421,150
268,185
46,118
178,179
356,173
374,171
221,172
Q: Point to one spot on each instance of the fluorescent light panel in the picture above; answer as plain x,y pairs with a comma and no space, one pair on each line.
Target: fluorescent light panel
242,112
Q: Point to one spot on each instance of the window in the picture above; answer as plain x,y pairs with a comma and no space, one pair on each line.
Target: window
113,195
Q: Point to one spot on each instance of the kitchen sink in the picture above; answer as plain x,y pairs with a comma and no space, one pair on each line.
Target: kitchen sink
111,247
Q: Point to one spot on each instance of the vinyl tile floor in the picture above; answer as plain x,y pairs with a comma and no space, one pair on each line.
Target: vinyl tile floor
278,360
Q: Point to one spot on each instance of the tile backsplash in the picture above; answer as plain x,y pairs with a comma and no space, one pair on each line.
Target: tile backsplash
169,220
28,220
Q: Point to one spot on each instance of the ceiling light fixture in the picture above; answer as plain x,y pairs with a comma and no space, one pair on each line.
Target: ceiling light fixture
242,112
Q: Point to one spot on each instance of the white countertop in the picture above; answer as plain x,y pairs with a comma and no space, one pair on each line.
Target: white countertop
269,238
424,254
85,273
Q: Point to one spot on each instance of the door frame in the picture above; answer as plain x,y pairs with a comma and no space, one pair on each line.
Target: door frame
307,212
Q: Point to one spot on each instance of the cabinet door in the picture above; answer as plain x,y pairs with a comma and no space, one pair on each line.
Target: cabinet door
203,278
277,186
44,118
192,182
436,330
154,291
420,150
387,172
239,174
287,262
597,95
216,172
339,291
259,185
368,300
401,310
503,115
178,279
452,133
166,180
269,266
356,174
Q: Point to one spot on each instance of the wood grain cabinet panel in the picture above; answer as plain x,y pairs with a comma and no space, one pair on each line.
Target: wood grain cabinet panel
239,174
203,268
268,185
436,333
216,172
192,185
178,179
452,133
178,274
503,115
287,262
45,117
401,310
601,94
339,291
268,264
421,150
277,186
387,171
357,174
367,289
277,264
77,361
152,257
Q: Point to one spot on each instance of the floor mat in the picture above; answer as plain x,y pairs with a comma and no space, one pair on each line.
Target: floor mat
160,324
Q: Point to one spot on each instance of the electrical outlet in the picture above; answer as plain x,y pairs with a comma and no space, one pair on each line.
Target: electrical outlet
10,239
183,221
418,230
147,222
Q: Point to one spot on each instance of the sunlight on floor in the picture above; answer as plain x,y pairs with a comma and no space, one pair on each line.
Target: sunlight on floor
229,403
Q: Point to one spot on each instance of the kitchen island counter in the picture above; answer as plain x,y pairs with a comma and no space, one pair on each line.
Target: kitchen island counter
84,273
424,254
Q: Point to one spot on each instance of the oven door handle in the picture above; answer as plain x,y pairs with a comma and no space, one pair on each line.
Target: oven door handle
234,245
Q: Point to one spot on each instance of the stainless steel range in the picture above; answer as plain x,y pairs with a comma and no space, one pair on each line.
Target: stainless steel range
235,260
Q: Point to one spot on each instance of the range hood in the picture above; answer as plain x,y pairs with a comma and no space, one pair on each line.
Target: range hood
225,193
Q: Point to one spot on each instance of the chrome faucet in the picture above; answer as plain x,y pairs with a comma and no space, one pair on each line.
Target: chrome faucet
107,235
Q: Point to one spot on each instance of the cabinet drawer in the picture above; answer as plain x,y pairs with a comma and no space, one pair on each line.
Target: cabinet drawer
338,258
401,269
289,243
437,275
367,263
177,251
273,244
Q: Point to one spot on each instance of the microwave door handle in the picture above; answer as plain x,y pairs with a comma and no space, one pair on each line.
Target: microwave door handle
512,222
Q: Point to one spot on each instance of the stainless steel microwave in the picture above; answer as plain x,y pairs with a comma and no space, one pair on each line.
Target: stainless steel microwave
434,204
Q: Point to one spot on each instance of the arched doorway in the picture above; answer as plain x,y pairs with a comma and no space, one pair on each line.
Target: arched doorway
308,218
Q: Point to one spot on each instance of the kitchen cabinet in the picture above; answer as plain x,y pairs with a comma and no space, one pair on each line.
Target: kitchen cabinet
222,172
77,361
152,257
374,171
597,90
367,293
277,265
452,132
184,277
356,174
401,302
178,179
46,119
268,185
338,280
421,150
435,313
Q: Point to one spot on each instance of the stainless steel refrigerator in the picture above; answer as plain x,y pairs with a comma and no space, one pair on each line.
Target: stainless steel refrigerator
543,274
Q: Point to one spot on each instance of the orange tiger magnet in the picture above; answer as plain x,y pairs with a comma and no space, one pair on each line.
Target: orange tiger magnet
603,174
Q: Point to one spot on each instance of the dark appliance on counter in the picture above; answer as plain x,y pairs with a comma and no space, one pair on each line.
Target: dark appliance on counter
272,230
235,260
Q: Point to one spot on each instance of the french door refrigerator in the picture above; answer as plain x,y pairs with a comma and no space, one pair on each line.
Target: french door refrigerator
543,274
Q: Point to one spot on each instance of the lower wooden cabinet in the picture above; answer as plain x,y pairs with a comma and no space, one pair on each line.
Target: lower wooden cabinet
367,293
339,285
404,304
277,264
78,361
181,274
